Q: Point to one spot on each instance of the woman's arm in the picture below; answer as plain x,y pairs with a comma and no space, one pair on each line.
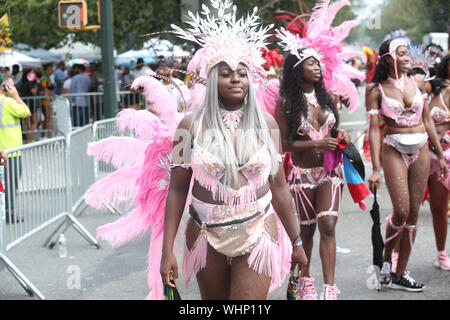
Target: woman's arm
180,178
298,145
372,105
432,133
282,201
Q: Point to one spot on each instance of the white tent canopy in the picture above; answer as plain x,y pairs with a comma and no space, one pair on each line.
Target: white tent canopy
78,50
157,47
11,57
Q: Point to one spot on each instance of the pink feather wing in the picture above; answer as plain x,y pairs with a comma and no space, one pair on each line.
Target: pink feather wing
119,151
113,189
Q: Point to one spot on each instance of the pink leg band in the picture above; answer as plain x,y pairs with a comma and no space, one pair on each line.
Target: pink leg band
396,228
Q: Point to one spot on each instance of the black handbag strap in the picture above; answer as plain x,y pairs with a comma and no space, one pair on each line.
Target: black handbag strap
194,215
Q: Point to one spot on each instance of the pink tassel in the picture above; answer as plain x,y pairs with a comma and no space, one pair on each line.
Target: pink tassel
264,258
195,260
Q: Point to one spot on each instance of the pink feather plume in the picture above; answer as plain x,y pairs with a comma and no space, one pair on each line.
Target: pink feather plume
157,95
144,124
115,188
119,151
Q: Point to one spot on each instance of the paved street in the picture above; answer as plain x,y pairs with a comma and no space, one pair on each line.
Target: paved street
121,273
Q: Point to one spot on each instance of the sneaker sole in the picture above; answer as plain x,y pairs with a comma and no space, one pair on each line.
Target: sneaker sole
397,287
438,265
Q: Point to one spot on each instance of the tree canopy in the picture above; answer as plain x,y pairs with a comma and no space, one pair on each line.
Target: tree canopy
35,22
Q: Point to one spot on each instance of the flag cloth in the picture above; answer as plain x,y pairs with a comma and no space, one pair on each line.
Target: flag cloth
5,35
357,187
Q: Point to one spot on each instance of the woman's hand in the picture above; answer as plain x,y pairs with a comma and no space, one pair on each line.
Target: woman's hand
3,158
444,168
345,136
327,143
299,257
168,266
375,181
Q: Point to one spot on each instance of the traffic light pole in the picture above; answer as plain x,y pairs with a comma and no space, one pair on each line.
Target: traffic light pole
107,37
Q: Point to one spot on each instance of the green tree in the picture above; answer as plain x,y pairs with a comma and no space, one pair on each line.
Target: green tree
416,17
35,22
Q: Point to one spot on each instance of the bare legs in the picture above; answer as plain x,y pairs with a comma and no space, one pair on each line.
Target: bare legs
222,279
406,188
439,207
321,197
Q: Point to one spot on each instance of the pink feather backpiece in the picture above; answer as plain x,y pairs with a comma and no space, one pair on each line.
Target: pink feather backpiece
157,96
119,151
268,94
115,188
143,176
144,124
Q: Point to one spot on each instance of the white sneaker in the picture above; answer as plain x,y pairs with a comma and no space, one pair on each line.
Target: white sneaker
329,292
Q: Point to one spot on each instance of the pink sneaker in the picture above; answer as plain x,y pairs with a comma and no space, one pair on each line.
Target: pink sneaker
306,290
329,292
443,261
394,260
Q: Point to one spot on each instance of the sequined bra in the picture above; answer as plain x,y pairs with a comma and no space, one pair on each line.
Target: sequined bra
394,109
208,170
439,115
306,128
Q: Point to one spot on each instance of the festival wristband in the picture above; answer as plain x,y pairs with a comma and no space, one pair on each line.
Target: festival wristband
297,242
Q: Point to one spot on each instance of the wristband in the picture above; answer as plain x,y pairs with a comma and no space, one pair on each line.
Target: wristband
297,242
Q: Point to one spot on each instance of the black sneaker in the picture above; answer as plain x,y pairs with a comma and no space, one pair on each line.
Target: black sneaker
407,283
385,273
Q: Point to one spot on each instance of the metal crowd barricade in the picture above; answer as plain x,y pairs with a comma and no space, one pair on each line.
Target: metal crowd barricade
44,182
79,178
38,125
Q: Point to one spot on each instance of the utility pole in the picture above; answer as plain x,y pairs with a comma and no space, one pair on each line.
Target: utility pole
107,37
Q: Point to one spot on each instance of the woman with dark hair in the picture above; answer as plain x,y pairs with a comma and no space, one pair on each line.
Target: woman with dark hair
29,90
309,126
443,71
401,100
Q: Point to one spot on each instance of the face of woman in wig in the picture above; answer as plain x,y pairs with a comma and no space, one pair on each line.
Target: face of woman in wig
232,85
311,70
403,60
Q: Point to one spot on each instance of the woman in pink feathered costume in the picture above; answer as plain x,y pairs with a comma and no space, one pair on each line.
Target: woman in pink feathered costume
239,188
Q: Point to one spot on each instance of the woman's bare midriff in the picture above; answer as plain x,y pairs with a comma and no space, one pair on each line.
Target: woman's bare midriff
393,128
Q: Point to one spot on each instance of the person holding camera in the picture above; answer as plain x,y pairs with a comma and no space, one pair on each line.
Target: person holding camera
12,109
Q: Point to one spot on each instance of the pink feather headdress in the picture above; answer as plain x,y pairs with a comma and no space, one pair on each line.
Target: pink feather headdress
324,42
228,39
